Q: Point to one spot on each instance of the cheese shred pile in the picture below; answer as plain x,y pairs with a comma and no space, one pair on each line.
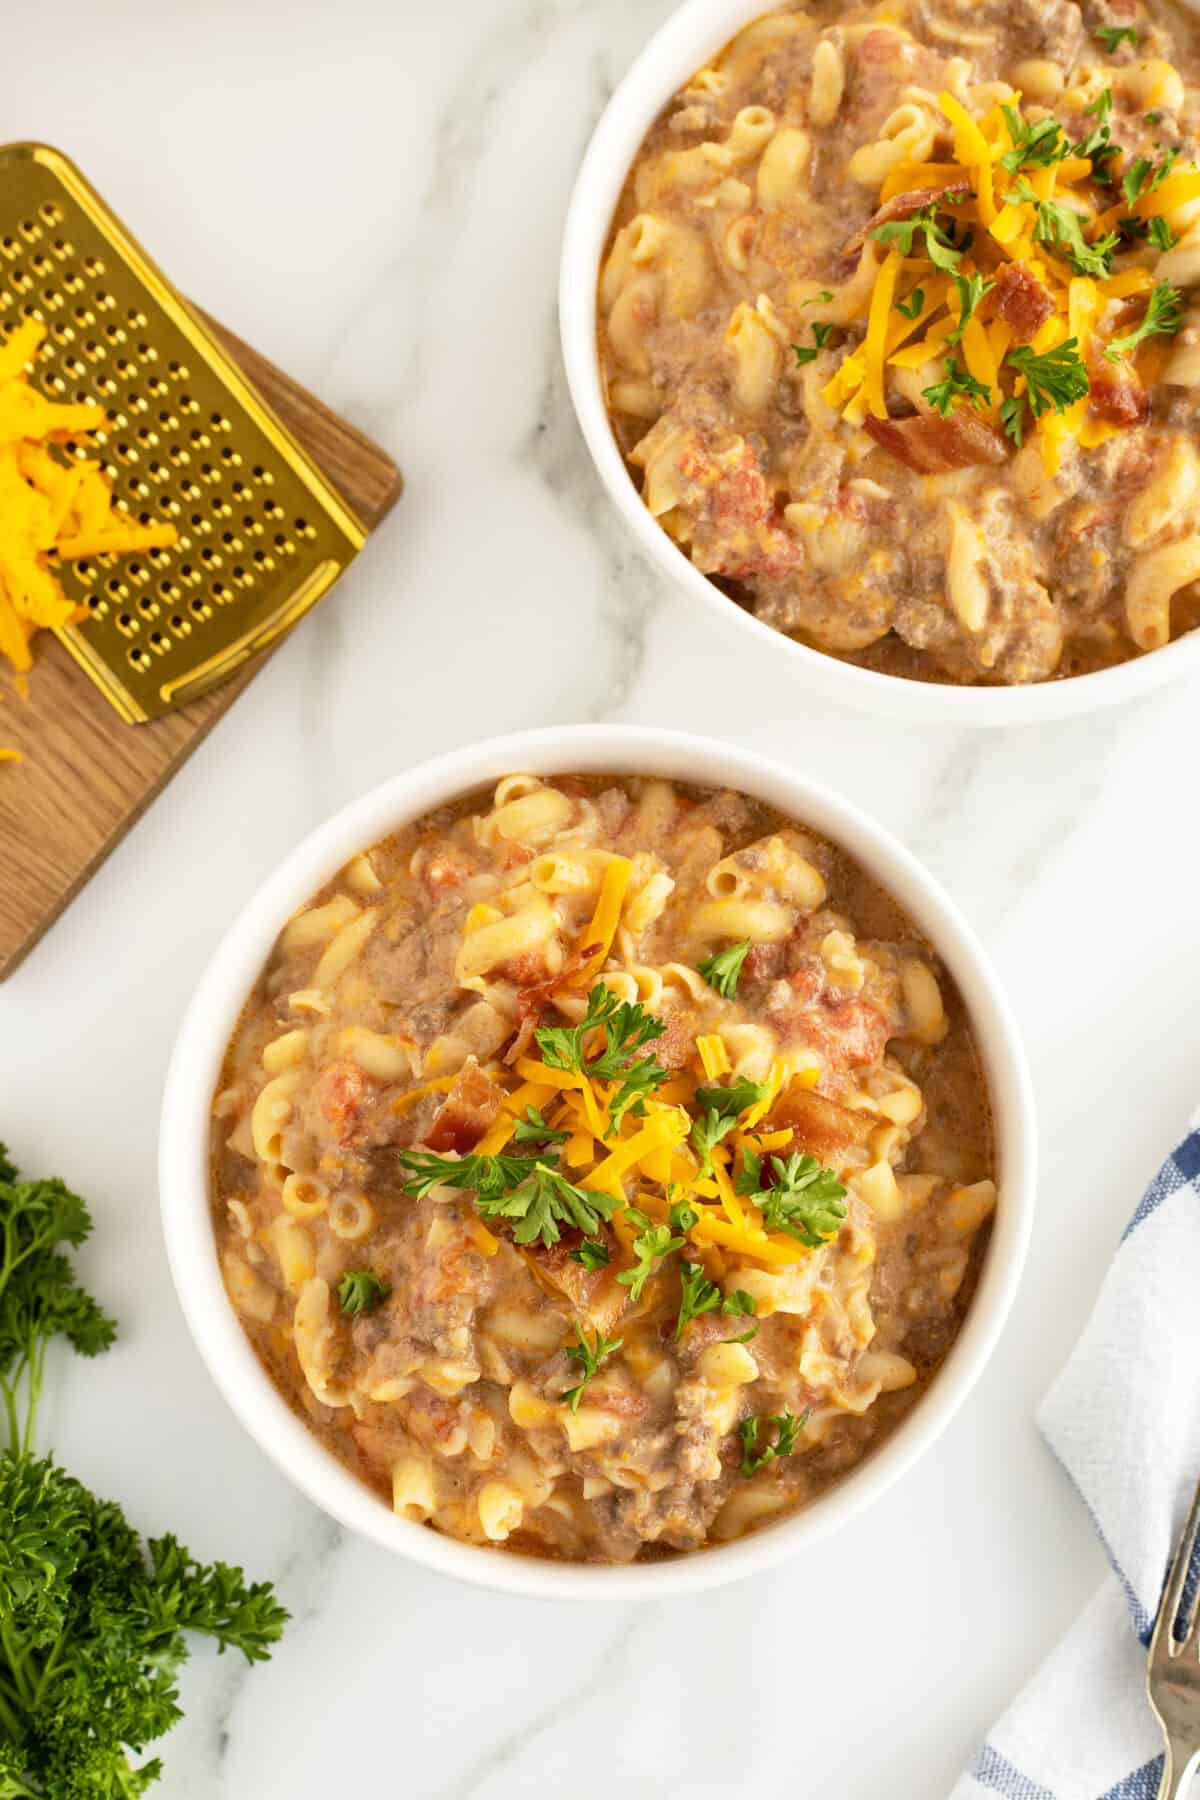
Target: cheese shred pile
51,511
915,306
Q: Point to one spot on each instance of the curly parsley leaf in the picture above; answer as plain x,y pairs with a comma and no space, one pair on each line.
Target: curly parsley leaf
1163,318
804,354
533,1129
1063,227
707,1132
627,1027
749,1178
803,1199
1054,379
528,1192
1160,234
741,1305
723,970
1143,176
589,1357
972,289
733,1098
92,1623
1113,36
593,1253
1037,143
544,1204
958,382
361,1291
651,1244
940,247
1098,146
697,1294
912,307
40,1297
787,1430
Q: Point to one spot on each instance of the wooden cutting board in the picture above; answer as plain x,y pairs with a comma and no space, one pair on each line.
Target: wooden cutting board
87,776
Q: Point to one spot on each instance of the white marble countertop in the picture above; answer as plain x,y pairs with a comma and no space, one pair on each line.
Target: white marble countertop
373,195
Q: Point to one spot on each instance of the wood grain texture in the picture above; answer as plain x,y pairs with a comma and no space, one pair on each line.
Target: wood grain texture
87,776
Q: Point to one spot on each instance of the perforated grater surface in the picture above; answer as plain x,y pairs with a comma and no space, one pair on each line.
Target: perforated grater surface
262,535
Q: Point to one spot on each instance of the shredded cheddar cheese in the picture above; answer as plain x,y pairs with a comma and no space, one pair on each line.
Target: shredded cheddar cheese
49,511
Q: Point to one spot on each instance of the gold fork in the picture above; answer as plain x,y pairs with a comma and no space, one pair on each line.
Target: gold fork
1173,1667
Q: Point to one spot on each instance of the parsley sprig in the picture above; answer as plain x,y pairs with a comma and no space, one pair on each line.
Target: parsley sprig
653,1242
93,1624
1113,36
1163,318
589,1357
723,970
958,383
1098,146
627,1028
698,1295
361,1291
796,1196
593,1253
1143,176
787,1430
1062,226
912,307
528,1192
972,289
806,354
533,1129
1037,143
1054,379
940,246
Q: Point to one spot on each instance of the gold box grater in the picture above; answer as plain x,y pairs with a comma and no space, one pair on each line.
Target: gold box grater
262,534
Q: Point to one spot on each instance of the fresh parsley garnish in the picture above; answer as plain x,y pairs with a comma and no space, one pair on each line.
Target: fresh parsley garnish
627,1028
971,290
1113,36
1143,176
526,1191
589,1357
707,1132
1160,234
939,244
723,971
742,1305
942,394
593,1253
1163,318
93,1623
1054,379
697,1295
787,1429
732,1099
533,1129
821,335
804,1200
1063,226
651,1244
1098,146
821,299
1037,143
912,307
360,1291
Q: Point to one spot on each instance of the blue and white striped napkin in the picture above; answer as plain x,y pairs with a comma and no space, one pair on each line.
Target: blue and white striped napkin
1124,1420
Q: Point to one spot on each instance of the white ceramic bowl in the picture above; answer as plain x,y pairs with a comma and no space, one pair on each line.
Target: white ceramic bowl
213,1014
684,44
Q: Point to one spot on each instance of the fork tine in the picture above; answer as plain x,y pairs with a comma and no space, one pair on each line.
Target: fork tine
1162,1643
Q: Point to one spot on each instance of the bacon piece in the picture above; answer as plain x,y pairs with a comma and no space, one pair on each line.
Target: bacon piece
903,206
343,1092
1021,301
932,445
593,1293
467,1111
1117,394
820,1126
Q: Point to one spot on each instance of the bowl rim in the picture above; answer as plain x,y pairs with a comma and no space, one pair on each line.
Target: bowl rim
221,995
694,32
